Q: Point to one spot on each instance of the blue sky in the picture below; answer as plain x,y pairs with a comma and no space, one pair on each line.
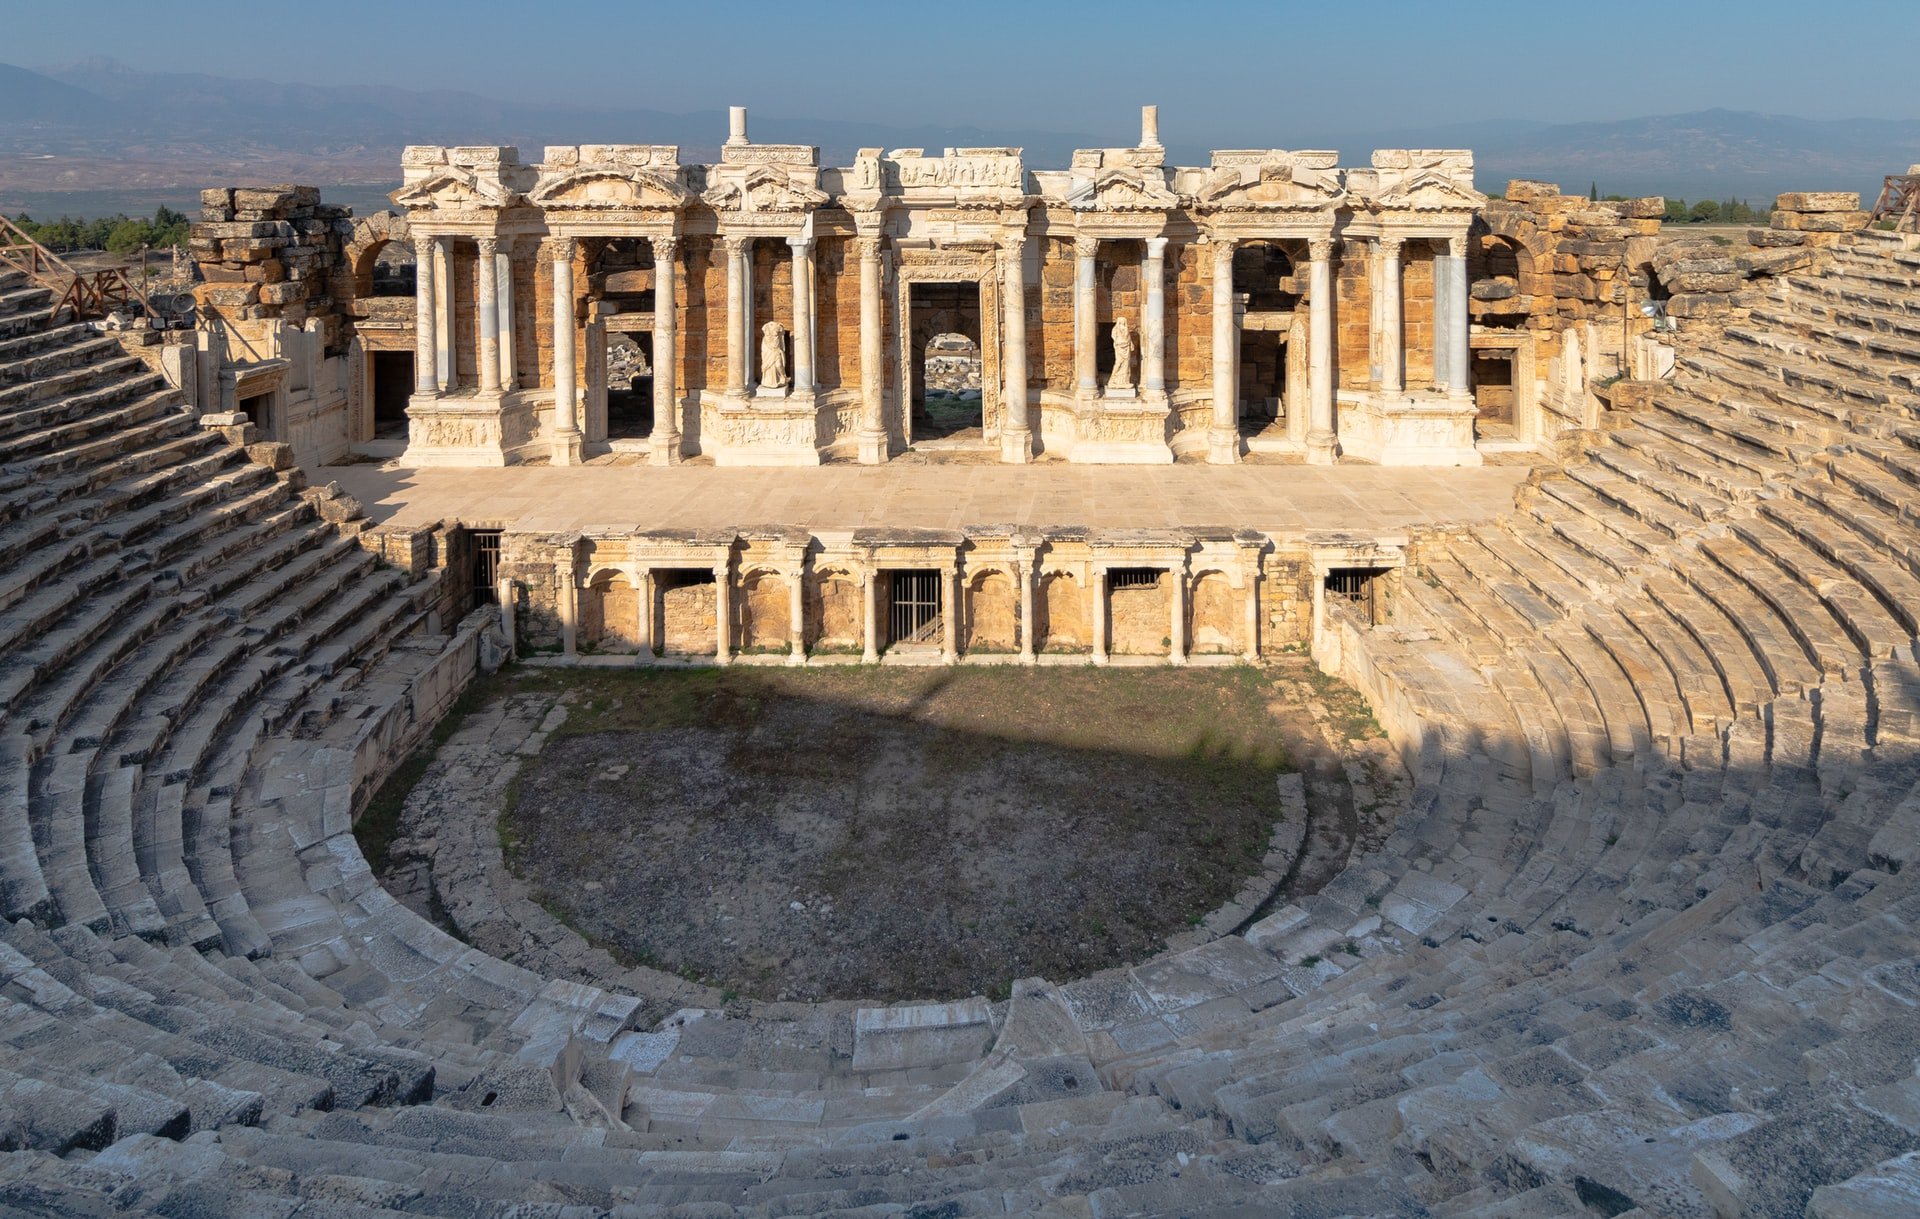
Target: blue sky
1214,68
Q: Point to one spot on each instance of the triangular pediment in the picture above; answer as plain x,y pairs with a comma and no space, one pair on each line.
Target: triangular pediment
1122,190
764,188
452,189
612,188
1429,191
1273,186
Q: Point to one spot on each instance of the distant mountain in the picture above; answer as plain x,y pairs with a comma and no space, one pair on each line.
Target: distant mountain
102,126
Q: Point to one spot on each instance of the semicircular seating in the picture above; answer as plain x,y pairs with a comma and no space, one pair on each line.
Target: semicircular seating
1643,936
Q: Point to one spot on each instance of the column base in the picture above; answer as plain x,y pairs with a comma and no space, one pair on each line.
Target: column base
569,448
1016,446
873,448
1223,446
796,658
1099,658
664,450
1322,448
1176,658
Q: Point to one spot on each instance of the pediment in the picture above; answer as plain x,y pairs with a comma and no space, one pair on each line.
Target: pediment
1123,190
454,190
1429,191
1275,186
764,188
612,189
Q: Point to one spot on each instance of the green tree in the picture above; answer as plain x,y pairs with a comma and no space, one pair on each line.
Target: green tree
1676,210
1706,210
1593,192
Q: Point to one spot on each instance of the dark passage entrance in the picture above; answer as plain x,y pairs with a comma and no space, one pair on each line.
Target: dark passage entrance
486,566
948,397
629,387
914,613
1358,587
392,386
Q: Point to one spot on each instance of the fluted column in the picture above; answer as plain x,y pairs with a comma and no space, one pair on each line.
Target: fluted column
443,355
1099,615
1026,572
426,314
487,306
723,612
950,634
1252,650
1393,356
1320,373
503,274
566,407
570,612
797,615
1460,380
643,594
1153,318
1016,434
873,425
664,443
1177,607
1085,321
1223,436
739,299
802,248
870,616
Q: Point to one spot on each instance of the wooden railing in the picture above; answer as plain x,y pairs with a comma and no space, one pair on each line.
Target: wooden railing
1900,202
89,294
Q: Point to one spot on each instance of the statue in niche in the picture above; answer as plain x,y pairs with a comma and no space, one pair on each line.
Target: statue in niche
773,356
1122,377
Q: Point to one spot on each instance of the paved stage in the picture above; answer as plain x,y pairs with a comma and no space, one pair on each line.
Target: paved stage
1276,499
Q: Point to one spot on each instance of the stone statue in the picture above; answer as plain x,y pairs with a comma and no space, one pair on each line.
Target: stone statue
773,356
1122,377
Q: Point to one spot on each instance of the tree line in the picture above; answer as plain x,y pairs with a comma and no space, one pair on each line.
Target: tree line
119,234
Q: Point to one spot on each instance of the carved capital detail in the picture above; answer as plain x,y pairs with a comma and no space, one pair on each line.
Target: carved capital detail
1086,247
1457,247
1320,249
665,248
1156,247
1390,246
866,247
489,246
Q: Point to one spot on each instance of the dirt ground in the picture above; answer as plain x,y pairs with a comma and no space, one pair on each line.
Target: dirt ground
894,833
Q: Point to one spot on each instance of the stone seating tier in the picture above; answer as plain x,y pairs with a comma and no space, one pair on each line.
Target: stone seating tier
1641,937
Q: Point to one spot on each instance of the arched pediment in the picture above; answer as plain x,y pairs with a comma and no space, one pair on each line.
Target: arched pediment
608,188
1428,191
454,190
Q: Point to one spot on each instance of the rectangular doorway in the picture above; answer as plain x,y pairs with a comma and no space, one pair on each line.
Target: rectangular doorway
392,386
1360,588
946,363
913,615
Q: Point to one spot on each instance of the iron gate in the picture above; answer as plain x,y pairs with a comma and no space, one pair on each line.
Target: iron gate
915,609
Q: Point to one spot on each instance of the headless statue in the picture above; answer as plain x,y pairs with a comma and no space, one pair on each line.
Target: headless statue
1122,377
773,356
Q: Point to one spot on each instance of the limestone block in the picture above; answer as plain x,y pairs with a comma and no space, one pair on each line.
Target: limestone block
1647,207
1818,201
282,293
1698,305
214,419
228,295
1685,279
1821,222
272,454
1776,262
1772,238
264,198
1529,190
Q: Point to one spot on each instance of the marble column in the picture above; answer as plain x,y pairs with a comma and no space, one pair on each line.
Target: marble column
1026,573
503,276
797,615
1320,372
802,248
1099,615
873,424
504,594
1085,319
664,444
1252,598
443,356
870,617
487,292
1393,356
1223,435
1460,380
570,612
566,407
643,594
950,626
1177,605
1016,434
1153,318
426,316
738,299
723,612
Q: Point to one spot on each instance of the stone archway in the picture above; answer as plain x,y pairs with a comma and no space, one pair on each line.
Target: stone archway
765,611
1062,611
993,613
